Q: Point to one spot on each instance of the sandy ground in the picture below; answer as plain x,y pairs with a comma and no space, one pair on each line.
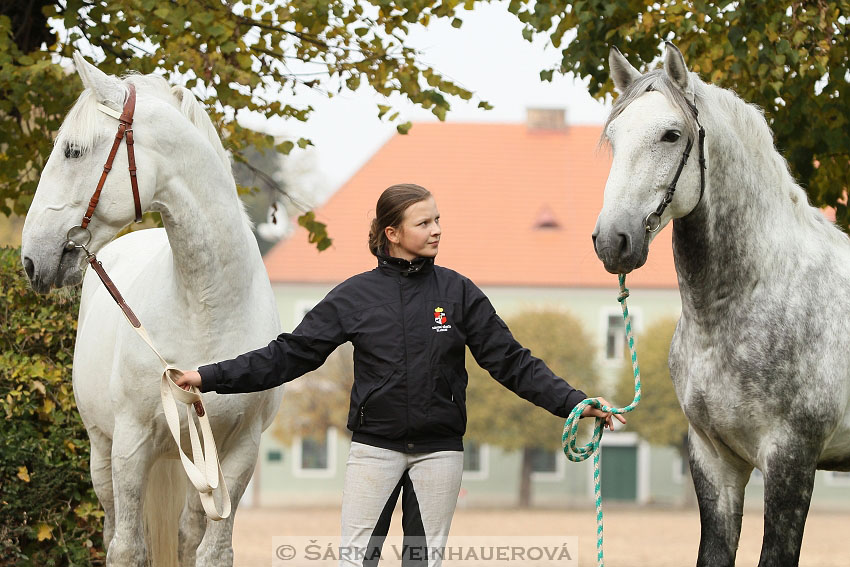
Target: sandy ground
633,537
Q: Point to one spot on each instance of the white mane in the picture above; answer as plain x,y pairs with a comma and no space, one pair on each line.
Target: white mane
749,125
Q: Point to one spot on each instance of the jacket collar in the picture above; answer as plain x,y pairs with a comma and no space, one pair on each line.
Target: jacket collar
398,266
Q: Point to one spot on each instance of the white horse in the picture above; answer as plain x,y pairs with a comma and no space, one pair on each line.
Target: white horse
198,286
761,356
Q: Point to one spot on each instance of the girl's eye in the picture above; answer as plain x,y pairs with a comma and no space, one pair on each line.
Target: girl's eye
72,150
671,136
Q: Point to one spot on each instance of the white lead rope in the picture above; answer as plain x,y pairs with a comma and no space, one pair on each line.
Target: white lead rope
203,469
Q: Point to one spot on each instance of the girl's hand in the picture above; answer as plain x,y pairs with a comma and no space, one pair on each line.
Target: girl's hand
590,411
191,378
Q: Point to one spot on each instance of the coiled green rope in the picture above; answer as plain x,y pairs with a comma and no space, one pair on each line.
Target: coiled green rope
578,454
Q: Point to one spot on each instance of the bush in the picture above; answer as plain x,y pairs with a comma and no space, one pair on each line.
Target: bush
51,515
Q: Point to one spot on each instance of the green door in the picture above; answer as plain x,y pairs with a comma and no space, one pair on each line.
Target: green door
619,473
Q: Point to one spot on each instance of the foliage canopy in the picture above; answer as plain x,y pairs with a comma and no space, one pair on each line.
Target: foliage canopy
790,58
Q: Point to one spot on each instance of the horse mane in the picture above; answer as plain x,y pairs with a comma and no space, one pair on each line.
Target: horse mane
748,122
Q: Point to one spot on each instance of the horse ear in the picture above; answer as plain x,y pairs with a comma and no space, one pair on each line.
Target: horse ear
674,66
621,70
105,87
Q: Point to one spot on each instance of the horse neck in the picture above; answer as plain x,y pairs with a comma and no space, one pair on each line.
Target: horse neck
215,255
737,236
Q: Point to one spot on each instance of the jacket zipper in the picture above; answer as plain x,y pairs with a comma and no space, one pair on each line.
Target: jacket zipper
404,341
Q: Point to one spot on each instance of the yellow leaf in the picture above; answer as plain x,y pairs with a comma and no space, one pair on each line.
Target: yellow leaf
23,474
48,405
44,532
37,385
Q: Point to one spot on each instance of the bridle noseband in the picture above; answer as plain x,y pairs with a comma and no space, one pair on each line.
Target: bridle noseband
652,222
79,236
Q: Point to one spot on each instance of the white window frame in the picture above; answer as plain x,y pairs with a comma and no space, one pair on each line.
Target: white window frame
484,458
329,471
637,326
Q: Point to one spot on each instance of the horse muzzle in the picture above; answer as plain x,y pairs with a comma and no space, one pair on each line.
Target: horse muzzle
56,271
621,251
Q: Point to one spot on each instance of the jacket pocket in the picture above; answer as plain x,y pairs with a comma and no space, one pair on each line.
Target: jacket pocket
446,408
359,419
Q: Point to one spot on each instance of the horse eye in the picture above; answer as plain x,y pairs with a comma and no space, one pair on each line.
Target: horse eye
671,136
72,151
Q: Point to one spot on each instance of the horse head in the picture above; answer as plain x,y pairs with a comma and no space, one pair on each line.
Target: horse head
652,125
71,175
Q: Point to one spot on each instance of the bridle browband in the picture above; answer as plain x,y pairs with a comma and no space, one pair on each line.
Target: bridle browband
652,222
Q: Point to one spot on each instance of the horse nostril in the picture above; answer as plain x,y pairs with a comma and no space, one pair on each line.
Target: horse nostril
29,268
625,244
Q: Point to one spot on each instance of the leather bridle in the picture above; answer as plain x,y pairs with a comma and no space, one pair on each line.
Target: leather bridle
79,236
652,222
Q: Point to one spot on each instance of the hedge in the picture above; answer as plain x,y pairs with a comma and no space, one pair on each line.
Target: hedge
51,515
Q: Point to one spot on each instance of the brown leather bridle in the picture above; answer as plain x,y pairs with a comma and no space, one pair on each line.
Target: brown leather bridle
79,236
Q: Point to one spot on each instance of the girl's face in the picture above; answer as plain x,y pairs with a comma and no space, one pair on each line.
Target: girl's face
419,232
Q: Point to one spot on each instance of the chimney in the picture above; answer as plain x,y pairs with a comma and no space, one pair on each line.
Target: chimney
546,119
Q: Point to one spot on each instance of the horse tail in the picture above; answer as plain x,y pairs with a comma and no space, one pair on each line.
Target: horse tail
165,496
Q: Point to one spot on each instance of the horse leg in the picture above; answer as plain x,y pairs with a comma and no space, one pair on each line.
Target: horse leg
788,482
101,477
193,522
719,479
132,457
237,465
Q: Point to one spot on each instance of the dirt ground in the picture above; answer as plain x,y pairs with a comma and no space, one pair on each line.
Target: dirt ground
633,537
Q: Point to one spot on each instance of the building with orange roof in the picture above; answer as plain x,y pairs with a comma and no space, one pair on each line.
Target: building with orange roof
518,204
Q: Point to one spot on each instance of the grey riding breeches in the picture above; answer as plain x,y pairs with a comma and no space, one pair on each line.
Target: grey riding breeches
429,484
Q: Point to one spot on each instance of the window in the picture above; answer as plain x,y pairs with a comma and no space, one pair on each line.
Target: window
315,456
274,456
476,461
615,338
471,457
543,461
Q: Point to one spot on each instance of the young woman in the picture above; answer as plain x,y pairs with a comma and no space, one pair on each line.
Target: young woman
410,322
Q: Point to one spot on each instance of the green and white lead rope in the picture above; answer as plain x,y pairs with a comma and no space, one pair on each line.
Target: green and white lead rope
578,454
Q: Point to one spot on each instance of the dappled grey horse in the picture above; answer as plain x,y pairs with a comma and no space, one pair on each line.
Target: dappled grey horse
761,356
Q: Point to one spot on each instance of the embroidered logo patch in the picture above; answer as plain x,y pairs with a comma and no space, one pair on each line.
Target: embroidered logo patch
440,319
439,316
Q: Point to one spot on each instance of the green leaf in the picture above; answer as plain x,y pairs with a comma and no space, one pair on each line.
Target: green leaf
404,128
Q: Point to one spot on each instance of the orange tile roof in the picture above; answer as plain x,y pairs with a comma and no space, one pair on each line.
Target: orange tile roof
493,183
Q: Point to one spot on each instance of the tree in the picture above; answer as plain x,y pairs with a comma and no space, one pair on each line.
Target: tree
790,58
235,56
499,417
659,418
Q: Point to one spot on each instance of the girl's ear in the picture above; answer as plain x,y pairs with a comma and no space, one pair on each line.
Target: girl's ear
392,234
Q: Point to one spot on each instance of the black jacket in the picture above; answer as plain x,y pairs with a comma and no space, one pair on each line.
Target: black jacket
409,323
